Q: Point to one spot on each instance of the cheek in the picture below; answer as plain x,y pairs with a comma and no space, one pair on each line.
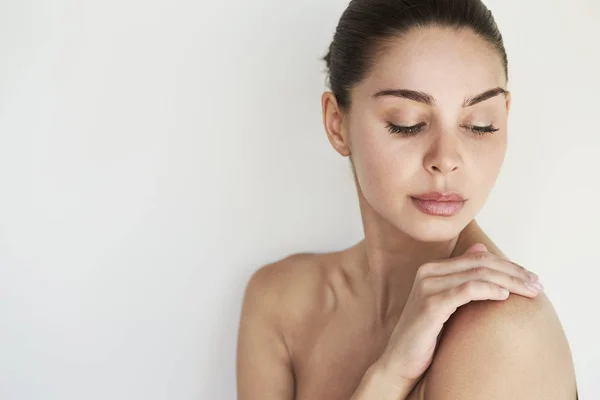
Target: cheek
367,151
488,163
373,167
383,169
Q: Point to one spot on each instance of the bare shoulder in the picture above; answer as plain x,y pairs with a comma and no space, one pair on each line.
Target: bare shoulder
278,297
291,289
514,348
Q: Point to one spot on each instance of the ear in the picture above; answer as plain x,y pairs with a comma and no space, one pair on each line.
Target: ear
333,120
508,99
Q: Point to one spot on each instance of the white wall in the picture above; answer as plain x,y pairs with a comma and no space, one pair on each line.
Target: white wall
154,153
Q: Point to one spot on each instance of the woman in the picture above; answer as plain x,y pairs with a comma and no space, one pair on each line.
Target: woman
419,104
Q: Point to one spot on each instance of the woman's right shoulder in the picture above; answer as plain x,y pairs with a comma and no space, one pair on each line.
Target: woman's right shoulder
290,289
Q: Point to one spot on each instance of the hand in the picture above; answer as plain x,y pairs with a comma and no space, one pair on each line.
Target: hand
441,287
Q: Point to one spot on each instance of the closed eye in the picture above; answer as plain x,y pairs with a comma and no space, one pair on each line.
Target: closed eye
405,130
481,130
414,129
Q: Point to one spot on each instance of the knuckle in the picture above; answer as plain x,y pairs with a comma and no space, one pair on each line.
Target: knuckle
525,273
480,272
424,270
467,287
481,256
518,268
515,281
425,284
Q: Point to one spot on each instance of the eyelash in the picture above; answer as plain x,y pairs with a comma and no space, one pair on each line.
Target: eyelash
413,130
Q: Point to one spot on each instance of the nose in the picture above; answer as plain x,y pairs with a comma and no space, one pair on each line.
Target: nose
443,156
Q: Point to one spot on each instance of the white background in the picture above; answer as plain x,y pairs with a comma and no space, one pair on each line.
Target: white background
153,154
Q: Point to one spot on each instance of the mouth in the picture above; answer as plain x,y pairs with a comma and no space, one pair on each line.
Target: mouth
438,196
441,208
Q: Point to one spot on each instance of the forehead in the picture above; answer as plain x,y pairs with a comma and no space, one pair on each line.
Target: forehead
443,62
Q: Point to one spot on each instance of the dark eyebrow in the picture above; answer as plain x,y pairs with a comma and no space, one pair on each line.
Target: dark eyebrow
428,99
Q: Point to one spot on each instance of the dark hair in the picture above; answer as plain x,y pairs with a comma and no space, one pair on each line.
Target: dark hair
366,25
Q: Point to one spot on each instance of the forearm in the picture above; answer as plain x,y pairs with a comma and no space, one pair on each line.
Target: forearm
379,384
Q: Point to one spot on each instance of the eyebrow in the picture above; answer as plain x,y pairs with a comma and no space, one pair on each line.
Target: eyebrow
428,99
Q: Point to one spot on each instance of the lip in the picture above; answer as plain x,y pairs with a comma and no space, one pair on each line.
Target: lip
439,204
438,196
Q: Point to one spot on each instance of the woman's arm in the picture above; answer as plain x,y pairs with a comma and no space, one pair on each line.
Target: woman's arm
497,351
378,383
513,349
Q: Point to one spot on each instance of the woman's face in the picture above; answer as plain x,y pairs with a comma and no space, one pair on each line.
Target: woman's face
444,152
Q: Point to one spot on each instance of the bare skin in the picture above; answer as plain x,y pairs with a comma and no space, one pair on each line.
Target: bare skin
312,325
321,333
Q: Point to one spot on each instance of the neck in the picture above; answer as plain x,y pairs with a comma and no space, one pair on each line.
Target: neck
389,259
390,272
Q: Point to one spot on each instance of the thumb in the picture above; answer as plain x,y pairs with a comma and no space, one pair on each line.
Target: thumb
476,247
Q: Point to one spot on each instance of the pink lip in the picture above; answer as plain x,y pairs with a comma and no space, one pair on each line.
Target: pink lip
437,196
439,204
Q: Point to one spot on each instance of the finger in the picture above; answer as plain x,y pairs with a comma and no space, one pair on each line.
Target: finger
466,292
481,247
476,247
437,284
531,274
472,260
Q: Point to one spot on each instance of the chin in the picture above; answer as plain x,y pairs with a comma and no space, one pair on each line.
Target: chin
435,228
433,232
426,228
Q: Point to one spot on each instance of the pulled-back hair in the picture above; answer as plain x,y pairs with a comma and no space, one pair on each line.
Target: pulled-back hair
366,26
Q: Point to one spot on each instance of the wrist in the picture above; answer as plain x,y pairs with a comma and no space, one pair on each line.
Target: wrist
392,384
